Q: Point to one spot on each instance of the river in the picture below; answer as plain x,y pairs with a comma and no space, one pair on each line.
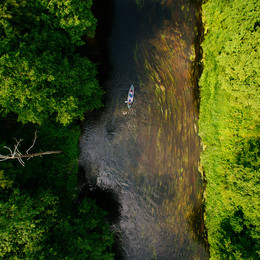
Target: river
148,155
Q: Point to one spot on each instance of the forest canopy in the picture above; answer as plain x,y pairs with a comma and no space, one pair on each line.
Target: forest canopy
44,87
229,127
41,75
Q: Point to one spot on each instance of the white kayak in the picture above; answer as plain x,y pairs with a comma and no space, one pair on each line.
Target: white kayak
130,97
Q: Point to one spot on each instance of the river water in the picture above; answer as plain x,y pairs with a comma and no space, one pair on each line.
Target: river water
148,155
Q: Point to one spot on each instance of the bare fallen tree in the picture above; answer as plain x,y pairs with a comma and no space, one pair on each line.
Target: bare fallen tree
16,154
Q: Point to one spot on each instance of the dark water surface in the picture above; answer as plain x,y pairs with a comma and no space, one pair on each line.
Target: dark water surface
148,155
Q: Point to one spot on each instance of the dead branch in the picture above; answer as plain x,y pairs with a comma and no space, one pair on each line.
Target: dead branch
34,140
17,155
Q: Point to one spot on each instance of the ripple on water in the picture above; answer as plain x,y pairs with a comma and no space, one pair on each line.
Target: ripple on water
148,155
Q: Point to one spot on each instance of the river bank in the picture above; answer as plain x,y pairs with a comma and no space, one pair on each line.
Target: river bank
229,127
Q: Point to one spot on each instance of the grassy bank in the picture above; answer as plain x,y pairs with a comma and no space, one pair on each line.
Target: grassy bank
229,127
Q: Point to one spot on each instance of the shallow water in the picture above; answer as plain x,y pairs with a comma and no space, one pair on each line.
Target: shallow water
148,155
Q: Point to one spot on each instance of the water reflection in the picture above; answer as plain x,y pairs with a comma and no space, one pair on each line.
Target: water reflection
148,155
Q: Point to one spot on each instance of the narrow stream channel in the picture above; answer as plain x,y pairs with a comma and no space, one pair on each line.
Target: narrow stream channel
148,155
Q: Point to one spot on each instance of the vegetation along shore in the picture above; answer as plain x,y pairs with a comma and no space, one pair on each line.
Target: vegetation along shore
45,88
229,127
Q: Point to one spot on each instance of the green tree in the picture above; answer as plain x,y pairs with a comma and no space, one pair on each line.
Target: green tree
83,235
35,227
24,223
40,74
43,80
75,17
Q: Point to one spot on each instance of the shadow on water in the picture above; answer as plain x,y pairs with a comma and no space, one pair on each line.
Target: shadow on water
107,200
97,48
141,164
197,66
197,225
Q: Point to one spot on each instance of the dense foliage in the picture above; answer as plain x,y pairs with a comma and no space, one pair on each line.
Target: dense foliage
44,86
229,127
38,218
40,73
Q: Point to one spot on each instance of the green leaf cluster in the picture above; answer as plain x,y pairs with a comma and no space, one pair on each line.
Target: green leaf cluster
41,76
229,127
24,224
74,17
